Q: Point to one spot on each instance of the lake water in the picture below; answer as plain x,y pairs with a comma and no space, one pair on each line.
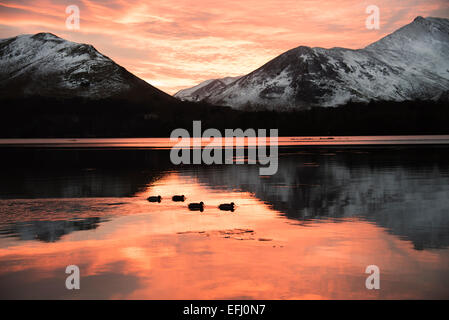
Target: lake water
335,206
165,143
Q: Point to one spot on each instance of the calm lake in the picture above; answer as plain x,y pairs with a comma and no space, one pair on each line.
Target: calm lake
335,206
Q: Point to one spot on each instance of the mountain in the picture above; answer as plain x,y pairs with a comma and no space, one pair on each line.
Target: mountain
202,91
48,66
411,63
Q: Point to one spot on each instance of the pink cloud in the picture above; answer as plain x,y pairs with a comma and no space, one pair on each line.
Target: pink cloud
174,43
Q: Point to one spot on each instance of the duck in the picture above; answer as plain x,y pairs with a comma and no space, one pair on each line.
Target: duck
227,206
179,198
154,198
196,206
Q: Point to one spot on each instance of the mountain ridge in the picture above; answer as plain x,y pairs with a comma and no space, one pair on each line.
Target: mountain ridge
200,91
44,64
408,64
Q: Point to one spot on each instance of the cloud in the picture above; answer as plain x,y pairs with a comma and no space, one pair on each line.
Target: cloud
178,43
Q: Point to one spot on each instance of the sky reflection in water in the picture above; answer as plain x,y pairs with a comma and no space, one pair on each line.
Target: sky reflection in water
307,232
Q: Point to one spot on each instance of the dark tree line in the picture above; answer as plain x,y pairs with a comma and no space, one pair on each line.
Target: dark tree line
45,117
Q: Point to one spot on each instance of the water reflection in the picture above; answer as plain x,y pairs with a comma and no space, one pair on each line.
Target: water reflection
75,183
48,231
317,223
74,173
405,191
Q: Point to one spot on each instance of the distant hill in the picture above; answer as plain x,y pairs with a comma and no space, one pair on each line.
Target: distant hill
204,89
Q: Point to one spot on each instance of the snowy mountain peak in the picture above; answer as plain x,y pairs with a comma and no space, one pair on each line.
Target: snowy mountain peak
411,63
46,36
201,91
47,65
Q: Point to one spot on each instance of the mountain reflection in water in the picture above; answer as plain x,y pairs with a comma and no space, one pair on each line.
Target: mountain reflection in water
405,192
88,207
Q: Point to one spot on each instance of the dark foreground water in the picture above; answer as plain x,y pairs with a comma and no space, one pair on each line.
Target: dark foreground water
307,232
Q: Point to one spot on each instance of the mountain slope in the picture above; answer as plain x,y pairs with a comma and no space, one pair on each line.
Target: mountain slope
202,91
46,65
411,63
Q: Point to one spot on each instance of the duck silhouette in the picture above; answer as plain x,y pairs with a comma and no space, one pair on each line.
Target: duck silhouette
154,199
196,206
178,198
227,206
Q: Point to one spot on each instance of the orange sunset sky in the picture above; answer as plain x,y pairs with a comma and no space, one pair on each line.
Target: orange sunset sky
174,44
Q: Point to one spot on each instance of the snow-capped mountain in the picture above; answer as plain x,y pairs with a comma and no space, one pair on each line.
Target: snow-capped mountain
46,65
202,90
411,63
